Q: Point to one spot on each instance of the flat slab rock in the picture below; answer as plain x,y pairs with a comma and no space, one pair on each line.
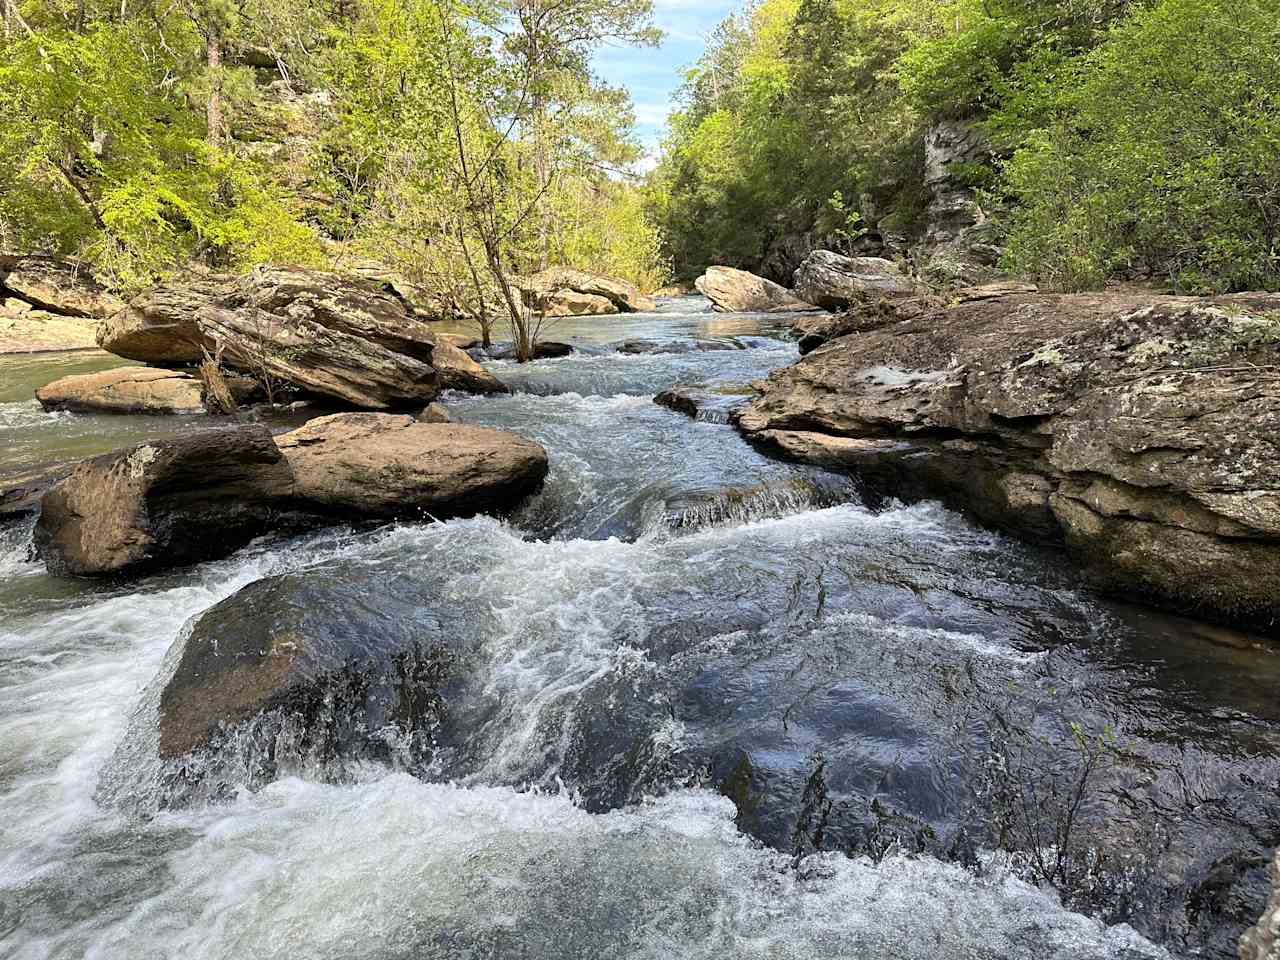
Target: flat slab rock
125,390
382,465
1138,430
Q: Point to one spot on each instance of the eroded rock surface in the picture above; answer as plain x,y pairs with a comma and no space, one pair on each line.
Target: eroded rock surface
563,292
736,291
172,502
164,503
322,333
56,285
1139,430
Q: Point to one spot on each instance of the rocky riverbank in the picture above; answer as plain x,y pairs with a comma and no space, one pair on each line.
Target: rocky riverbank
1137,430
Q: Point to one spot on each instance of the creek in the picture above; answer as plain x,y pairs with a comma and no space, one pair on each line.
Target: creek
707,704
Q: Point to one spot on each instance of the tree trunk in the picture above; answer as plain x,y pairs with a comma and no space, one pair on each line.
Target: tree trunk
213,114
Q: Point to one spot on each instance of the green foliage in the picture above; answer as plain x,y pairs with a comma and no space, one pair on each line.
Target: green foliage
1137,138
1164,159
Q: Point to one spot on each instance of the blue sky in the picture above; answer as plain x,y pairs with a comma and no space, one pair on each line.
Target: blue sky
651,75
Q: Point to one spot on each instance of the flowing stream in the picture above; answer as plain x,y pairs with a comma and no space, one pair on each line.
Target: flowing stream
708,705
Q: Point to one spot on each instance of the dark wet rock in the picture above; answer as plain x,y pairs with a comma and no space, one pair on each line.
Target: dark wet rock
835,282
332,676
736,291
710,403
56,285
1139,430
164,503
563,292
1263,941
382,465
542,350
128,390
322,333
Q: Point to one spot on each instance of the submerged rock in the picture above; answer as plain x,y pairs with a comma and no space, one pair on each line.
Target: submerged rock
351,680
709,403
125,390
736,291
833,282
322,333
381,465
1139,430
1263,941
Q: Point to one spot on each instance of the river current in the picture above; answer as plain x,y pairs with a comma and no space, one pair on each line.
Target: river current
714,705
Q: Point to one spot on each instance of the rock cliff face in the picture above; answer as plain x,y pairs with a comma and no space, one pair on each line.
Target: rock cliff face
1139,431
955,248
49,303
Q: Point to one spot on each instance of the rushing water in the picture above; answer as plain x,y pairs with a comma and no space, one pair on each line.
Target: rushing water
680,669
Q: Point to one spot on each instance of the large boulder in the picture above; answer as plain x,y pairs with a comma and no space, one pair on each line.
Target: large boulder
164,503
180,501
125,390
559,290
381,465
56,285
1138,430
736,291
1263,941
322,333
833,282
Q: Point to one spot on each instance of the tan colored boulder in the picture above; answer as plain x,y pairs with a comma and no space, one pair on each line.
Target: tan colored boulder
59,286
435,413
31,331
394,466
538,291
125,390
571,303
834,282
736,291
160,326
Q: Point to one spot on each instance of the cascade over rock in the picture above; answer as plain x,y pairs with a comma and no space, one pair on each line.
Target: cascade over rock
1138,430
325,334
834,282
736,291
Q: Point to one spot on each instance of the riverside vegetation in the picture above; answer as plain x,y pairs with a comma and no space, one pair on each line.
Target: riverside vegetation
727,677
